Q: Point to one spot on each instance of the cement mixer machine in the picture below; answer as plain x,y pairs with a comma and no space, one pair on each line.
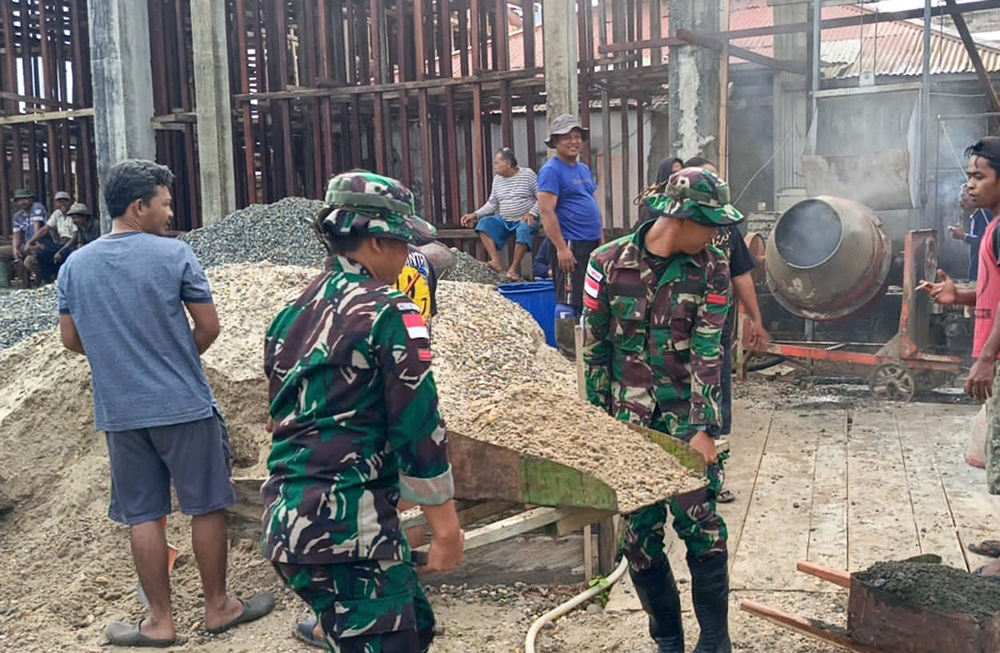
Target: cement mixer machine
828,259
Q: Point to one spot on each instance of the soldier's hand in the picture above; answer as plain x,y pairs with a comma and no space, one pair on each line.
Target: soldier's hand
445,552
705,445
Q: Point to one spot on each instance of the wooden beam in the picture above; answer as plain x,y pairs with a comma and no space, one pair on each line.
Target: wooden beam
371,89
712,43
793,28
506,529
970,47
804,627
830,575
46,116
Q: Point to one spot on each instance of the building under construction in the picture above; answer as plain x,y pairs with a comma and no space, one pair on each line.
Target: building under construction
250,101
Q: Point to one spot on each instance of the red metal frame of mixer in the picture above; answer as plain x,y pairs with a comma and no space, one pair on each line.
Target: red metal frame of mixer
905,348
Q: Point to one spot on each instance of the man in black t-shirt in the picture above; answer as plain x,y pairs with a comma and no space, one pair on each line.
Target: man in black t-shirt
741,264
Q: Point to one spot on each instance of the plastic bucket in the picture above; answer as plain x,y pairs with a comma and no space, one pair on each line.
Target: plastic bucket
539,299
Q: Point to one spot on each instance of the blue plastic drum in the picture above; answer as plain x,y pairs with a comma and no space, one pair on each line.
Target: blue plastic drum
539,299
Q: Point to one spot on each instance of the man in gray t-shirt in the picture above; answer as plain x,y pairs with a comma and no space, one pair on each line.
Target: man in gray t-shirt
123,302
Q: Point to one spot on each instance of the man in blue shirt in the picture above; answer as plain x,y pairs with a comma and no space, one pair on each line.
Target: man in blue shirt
979,219
569,211
122,302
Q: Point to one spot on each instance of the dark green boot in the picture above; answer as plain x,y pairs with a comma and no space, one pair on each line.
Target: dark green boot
710,593
657,592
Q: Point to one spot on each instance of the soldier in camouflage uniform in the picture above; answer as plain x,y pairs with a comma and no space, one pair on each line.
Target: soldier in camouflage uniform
656,302
356,429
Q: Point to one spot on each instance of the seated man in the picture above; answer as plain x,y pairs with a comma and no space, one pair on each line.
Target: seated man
53,236
541,268
511,209
29,217
87,231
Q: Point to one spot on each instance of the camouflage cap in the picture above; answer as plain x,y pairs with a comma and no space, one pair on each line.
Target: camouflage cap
694,194
362,203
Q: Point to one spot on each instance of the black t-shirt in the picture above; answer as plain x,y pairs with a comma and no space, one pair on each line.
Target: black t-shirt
731,242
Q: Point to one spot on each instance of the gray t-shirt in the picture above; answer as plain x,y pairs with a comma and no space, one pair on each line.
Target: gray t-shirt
126,295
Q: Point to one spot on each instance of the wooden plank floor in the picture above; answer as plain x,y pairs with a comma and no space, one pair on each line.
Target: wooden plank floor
845,487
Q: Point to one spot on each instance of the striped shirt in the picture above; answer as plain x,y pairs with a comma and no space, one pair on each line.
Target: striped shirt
512,198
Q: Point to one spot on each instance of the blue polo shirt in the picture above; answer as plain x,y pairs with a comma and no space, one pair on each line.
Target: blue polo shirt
577,210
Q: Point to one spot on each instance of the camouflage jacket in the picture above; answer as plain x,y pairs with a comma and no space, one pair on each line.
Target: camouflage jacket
356,422
652,351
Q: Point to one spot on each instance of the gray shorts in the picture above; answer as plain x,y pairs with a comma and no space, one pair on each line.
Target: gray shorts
195,455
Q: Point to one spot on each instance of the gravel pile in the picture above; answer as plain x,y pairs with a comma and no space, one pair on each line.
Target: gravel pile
26,312
281,233
470,270
487,343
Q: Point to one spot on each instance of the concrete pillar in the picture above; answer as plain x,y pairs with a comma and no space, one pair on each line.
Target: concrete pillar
215,121
694,82
122,85
562,58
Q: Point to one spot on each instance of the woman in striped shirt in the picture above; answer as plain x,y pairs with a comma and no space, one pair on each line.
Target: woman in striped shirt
511,210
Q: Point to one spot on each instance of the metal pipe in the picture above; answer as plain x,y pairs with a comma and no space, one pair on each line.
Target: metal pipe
966,116
925,112
817,35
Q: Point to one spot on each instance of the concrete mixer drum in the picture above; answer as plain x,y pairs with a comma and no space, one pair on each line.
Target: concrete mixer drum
828,259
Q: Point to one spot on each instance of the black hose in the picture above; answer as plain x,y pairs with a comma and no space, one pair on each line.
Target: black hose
763,365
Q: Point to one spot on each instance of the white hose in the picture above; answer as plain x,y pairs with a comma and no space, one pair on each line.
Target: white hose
569,606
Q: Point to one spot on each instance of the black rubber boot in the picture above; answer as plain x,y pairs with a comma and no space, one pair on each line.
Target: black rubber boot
657,592
710,593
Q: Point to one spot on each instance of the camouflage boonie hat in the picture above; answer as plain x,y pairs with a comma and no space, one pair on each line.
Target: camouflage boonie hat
694,194
363,203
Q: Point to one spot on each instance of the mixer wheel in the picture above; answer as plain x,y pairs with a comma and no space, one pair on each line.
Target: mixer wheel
892,382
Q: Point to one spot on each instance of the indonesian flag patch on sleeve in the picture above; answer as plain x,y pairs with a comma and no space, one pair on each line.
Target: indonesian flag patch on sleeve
592,289
716,300
592,284
415,326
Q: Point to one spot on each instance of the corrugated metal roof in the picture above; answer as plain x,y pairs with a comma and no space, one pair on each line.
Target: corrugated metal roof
890,49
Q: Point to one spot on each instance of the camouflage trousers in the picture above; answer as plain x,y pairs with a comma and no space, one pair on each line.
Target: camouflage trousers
696,522
370,606
993,436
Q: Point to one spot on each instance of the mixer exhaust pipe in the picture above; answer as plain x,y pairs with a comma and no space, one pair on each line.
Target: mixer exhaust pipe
828,259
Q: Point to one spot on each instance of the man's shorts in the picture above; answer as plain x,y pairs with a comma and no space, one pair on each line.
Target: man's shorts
194,455
366,606
582,249
500,230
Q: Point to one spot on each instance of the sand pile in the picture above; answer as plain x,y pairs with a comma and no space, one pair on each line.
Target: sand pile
66,569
